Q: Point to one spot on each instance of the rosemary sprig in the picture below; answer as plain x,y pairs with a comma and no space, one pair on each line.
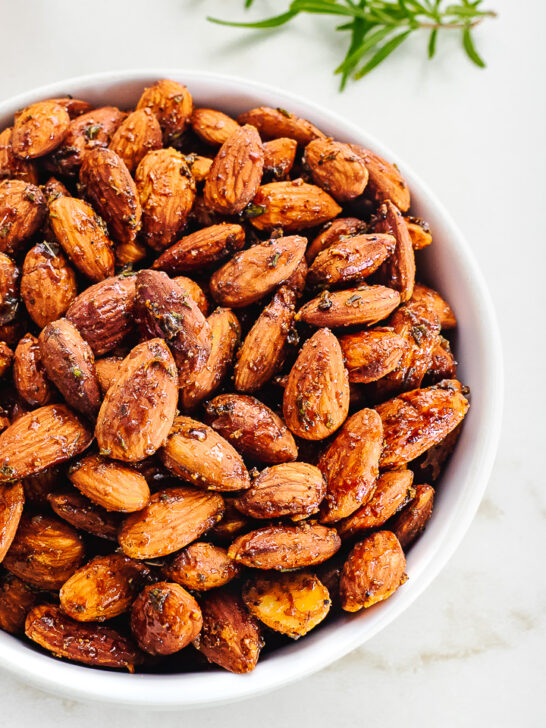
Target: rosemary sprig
378,27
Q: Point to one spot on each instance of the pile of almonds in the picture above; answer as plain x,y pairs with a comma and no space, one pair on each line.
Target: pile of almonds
215,368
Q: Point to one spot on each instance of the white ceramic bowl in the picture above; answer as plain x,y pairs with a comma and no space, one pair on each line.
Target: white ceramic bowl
450,267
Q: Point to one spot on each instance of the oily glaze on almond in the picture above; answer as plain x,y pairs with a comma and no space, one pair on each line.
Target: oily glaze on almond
29,375
202,566
201,248
48,283
12,500
110,484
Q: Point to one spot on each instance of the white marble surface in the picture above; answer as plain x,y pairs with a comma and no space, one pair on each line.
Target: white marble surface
472,650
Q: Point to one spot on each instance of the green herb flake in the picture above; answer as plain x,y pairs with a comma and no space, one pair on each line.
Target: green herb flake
353,299
253,210
284,112
325,302
77,372
92,131
272,262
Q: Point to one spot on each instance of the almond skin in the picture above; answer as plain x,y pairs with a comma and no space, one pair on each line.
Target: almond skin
12,499
292,604
22,211
109,484
419,232
287,489
400,267
76,509
54,188
164,310
352,307
6,358
370,355
350,260
251,427
40,439
9,289
197,454
82,235
199,166
225,333
109,186
213,127
104,313
285,547
279,156
334,232
254,273
75,107
385,181
165,618
138,410
107,370
38,487
231,525
88,131
90,644
137,135
201,248
16,600
45,552
412,519
442,365
263,350
172,519
48,284
11,165
70,365
172,103
274,123
29,375
292,205
316,397
236,172
230,636
431,301
202,566
415,421
392,490
39,129
103,588
193,290
166,190
373,571
336,168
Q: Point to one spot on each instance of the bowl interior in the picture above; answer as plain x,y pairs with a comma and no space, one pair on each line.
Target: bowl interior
447,265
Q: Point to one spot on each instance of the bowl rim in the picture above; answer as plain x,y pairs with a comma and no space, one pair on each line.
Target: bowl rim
215,688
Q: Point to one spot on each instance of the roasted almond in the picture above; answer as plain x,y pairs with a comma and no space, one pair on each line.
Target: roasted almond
16,600
107,370
6,358
83,237
12,499
231,525
166,190
285,547
172,103
40,439
262,352
38,487
279,156
76,509
13,166
9,289
54,188
194,290
103,588
292,205
336,168
230,637
197,454
48,284
350,465
202,566
91,644
370,355
212,126
432,302
334,232
138,410
75,107
373,571
172,519
412,519
109,484
400,268
201,248
392,490
225,333
350,260
385,181
45,552
415,421
287,489
236,172
292,604
22,210
352,307
137,135
164,310
109,186
199,166
316,397
442,363
39,129
251,427
29,375
104,313
257,271
275,123
419,232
